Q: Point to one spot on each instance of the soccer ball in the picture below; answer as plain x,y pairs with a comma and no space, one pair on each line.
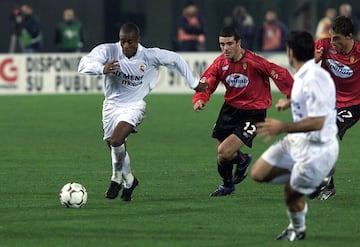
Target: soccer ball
73,195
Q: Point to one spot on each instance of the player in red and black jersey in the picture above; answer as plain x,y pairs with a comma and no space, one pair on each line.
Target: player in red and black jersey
340,56
246,77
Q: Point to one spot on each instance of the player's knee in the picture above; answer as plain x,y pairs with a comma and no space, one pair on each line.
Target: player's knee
116,142
223,155
258,173
255,175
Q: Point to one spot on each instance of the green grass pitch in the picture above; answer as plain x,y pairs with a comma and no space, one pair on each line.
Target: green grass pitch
47,141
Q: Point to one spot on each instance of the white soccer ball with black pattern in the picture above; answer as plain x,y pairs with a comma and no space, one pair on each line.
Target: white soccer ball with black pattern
73,195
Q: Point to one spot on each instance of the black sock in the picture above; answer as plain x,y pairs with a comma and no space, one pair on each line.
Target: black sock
331,184
239,158
225,171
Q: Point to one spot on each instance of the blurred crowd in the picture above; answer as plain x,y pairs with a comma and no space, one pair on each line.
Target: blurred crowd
191,33
27,35
269,36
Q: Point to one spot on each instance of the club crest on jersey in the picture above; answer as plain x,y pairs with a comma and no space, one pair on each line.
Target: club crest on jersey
237,80
339,69
352,59
274,74
244,66
142,68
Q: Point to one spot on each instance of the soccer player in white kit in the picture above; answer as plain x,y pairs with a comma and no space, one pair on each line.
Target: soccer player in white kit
131,72
305,156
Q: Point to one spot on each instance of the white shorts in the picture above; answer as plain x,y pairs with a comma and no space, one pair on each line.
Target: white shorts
113,113
309,163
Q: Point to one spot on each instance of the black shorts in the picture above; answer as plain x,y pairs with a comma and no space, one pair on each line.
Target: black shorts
347,117
239,122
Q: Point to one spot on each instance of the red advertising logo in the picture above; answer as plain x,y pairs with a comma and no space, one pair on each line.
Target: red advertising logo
8,70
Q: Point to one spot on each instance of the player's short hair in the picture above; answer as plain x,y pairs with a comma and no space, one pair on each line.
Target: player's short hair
343,25
302,44
230,31
130,28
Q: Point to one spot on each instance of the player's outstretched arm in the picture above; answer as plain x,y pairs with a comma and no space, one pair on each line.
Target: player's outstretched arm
318,54
283,104
94,62
202,86
199,105
269,128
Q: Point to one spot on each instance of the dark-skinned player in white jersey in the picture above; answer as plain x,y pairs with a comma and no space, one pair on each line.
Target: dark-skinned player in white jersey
130,73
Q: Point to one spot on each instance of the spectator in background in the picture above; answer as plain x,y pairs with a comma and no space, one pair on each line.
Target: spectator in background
345,9
30,36
191,29
324,25
16,20
272,33
244,24
69,34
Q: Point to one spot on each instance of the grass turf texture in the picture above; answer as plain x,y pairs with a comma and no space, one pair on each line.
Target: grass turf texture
47,141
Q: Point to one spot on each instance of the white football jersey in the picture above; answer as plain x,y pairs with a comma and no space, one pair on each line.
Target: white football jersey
313,95
136,76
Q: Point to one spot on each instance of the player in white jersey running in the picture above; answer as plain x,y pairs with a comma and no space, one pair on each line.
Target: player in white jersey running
305,156
131,72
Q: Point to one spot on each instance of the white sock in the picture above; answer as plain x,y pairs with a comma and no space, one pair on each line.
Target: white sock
297,219
117,158
126,172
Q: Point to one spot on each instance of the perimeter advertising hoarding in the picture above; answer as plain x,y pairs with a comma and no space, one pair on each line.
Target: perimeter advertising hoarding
44,74
56,73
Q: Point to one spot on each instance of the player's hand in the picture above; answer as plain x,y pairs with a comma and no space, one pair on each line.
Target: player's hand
111,67
318,54
199,105
202,86
283,104
271,127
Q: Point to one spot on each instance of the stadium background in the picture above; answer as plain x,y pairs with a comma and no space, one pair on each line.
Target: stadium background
49,140
158,18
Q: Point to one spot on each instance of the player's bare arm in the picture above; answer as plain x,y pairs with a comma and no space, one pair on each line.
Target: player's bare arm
272,127
202,86
283,104
199,105
318,54
111,67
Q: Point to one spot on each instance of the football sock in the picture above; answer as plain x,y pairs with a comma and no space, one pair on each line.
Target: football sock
331,183
239,158
117,158
225,171
297,219
126,172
